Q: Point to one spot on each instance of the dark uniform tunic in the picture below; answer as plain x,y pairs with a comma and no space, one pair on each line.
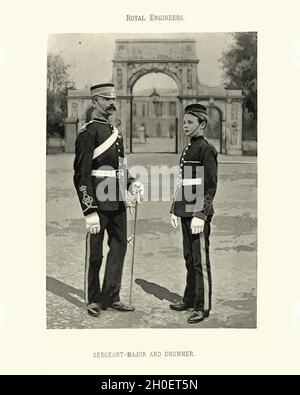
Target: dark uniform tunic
102,195
196,201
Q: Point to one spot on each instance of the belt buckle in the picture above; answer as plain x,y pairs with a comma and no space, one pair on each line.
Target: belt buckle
120,173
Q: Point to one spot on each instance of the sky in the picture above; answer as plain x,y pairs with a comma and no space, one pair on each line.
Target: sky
90,57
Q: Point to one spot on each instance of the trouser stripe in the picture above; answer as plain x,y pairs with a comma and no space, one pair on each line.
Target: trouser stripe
204,271
87,268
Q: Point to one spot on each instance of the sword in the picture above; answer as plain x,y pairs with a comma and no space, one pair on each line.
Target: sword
131,241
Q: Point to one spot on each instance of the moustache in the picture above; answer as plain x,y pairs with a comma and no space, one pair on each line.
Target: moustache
111,108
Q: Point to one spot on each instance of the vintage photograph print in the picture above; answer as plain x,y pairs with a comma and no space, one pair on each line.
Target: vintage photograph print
151,180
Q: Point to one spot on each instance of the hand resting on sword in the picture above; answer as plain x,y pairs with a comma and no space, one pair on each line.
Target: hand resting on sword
134,195
92,222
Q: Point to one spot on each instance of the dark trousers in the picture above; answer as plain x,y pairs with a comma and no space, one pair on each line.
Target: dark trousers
198,288
115,223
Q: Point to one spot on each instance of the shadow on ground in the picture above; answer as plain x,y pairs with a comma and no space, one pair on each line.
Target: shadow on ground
156,290
65,291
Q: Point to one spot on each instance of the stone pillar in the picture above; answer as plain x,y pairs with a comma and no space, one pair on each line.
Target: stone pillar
227,126
123,115
233,125
223,137
184,79
182,139
123,119
128,124
70,133
194,68
120,78
239,126
69,106
220,104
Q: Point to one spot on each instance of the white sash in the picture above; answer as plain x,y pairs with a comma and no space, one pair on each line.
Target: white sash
107,144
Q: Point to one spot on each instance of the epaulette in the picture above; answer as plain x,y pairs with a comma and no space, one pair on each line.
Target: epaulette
84,127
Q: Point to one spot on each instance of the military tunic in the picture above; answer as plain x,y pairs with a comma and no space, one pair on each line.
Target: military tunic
109,206
198,161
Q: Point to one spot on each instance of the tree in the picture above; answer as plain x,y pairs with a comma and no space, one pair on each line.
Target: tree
240,68
58,84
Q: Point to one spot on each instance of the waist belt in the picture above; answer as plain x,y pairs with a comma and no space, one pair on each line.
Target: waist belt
108,173
191,181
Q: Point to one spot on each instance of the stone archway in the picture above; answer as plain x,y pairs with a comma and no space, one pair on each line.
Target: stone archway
137,73
136,58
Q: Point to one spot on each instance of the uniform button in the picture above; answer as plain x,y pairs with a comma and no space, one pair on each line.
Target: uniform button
190,144
184,154
117,143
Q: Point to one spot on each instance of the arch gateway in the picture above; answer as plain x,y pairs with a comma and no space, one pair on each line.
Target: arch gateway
176,58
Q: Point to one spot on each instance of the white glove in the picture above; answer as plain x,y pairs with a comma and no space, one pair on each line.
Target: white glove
92,222
197,225
138,190
174,221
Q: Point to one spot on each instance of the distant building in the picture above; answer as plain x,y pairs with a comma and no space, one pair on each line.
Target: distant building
158,114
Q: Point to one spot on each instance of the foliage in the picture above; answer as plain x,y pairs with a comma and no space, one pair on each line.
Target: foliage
58,84
240,68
